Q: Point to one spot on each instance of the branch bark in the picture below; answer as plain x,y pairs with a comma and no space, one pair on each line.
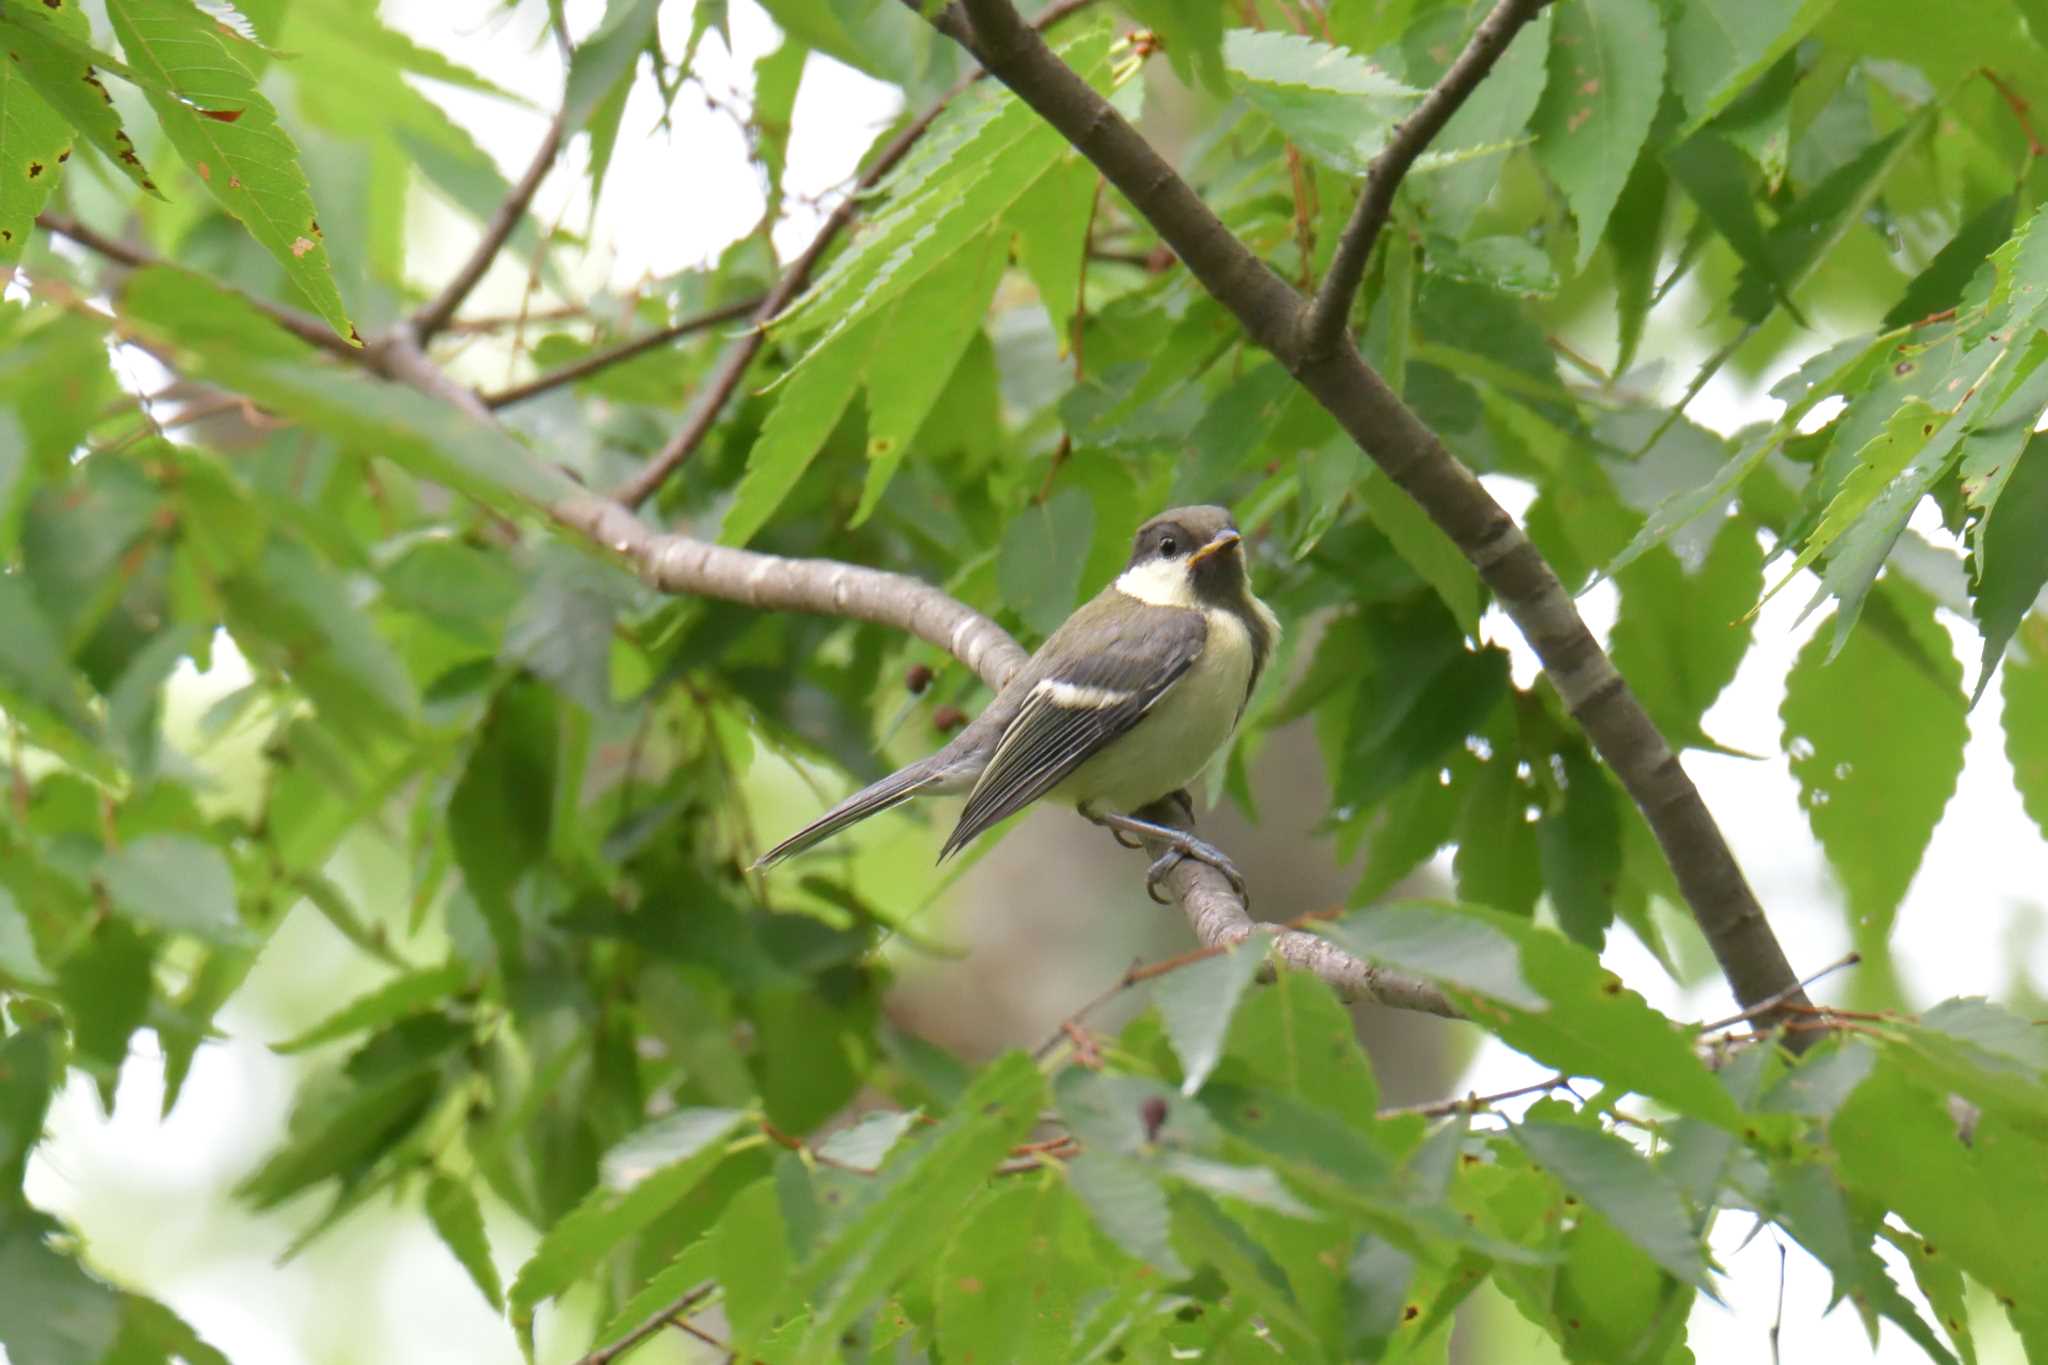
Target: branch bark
681,564
1387,430
1324,322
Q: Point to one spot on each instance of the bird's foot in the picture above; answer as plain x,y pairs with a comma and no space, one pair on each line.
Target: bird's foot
1179,844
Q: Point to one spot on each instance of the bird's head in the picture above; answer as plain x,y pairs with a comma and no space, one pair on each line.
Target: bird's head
1194,549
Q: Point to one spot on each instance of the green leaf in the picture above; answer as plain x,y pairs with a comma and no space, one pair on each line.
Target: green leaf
976,161
1294,1036
1052,219
893,1231
453,1210
2025,697
51,1311
35,678
176,883
1010,1284
904,383
1813,1208
1606,76
34,141
601,72
105,986
752,1262
1896,1144
1613,1177
1424,547
1211,1237
1197,1003
1044,549
1456,949
686,1272
229,134
1680,635
345,1139
1333,104
1545,997
501,812
31,1065
1940,1283
1873,790
1495,118
1635,239
644,1176
2010,564
228,341
1128,1203
398,998
57,61
1940,285
1719,47
813,398
1581,848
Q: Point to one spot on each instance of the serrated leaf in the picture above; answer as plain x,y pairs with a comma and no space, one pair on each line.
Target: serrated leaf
1424,547
904,383
34,141
1940,285
644,1176
1129,1205
751,1260
1296,1037
31,1065
1635,238
691,1267
1613,1177
347,1140
1718,47
453,1210
1051,220
1679,637
1873,791
810,404
51,1311
1606,76
2009,566
1043,551
1465,163
1332,103
175,883
601,71
1581,848
1458,950
1007,1287
977,160
1197,1003
2025,696
867,1143
1896,1144
394,1000
1844,367
229,134
893,1230
57,60
35,678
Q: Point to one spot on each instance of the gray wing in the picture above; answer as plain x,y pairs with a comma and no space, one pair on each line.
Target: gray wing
1114,673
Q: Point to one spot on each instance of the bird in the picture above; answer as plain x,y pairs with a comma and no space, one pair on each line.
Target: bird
1123,706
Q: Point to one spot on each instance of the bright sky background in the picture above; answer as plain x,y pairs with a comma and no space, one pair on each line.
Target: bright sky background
1973,919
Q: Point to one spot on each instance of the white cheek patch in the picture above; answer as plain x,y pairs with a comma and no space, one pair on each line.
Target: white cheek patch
1159,582
1074,697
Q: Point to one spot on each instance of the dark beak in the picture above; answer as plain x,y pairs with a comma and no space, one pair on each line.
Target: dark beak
1224,540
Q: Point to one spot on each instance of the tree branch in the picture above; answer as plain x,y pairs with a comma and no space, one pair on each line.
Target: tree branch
1386,429
681,564
434,315
1324,322
617,354
654,1322
733,367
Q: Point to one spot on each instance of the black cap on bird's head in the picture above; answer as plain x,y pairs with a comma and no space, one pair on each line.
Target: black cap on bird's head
1204,538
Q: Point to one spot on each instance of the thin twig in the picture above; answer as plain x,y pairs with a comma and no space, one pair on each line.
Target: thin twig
304,326
1472,1104
433,316
1324,323
613,355
494,322
733,367
655,1321
1771,1002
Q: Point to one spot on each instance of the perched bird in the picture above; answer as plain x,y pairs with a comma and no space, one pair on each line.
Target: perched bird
1126,703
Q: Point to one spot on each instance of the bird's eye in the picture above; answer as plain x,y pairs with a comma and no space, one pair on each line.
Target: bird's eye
1168,546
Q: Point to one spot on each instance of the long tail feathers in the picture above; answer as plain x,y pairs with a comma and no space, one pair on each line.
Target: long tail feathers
892,790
